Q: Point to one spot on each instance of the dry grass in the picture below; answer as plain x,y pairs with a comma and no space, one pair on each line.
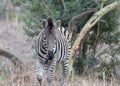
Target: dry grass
27,78
9,76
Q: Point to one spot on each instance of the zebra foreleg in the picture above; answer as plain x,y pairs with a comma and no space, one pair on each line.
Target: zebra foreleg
49,81
49,73
49,78
39,72
40,81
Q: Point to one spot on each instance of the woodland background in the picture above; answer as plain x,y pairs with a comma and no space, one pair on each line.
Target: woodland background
95,63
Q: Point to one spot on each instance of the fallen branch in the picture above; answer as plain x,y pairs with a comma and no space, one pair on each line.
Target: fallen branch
12,58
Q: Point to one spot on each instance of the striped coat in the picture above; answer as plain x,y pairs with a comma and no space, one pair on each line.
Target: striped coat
53,47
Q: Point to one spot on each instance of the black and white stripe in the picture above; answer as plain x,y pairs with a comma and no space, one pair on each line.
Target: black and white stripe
60,53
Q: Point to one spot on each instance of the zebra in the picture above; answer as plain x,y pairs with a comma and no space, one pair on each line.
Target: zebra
53,47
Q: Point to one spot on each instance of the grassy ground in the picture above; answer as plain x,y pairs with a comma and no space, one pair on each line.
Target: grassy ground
13,40
10,77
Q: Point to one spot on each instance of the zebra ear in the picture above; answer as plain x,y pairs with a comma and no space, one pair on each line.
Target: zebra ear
58,23
44,23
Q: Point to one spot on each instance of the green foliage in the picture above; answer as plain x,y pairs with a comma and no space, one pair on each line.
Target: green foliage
103,32
11,15
88,66
117,50
4,71
43,9
17,2
107,68
83,64
23,17
79,65
1,9
114,38
90,61
109,27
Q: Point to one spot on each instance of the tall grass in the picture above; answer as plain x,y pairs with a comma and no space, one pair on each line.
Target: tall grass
12,77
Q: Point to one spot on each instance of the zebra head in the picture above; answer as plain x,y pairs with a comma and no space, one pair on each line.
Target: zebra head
50,36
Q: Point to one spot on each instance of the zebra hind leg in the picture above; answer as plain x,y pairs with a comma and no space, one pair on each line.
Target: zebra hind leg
65,72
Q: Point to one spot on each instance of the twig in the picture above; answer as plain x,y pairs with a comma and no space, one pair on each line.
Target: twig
74,18
44,3
64,5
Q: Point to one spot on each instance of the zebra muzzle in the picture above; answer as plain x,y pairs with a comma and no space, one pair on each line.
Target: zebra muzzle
50,55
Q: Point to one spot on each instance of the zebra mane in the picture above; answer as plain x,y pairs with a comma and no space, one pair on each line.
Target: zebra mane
50,23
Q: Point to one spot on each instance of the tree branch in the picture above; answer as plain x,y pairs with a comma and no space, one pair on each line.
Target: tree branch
64,4
74,18
88,26
12,58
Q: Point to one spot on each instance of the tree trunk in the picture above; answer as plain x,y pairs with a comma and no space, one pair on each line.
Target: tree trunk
87,27
5,9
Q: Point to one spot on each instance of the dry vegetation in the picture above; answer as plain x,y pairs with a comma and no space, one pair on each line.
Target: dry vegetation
11,76
8,77
14,40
